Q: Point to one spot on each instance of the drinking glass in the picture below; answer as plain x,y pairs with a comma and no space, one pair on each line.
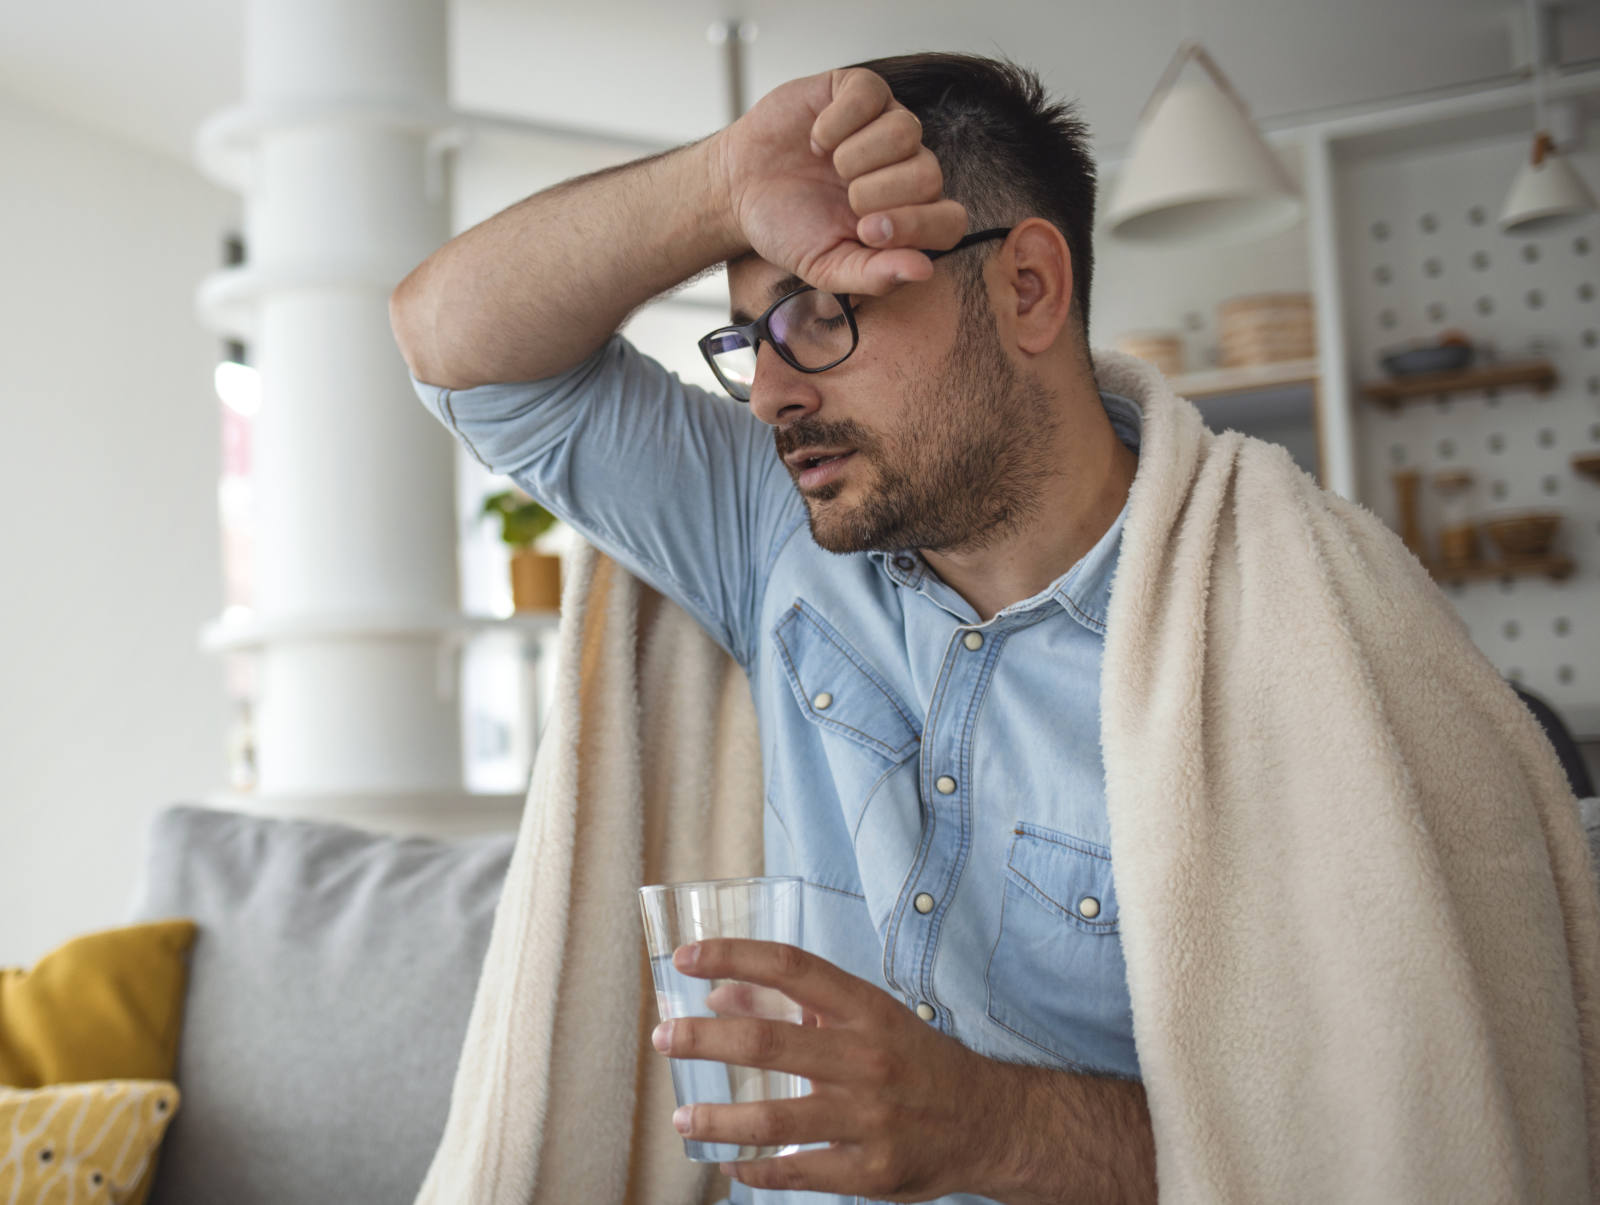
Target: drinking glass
675,914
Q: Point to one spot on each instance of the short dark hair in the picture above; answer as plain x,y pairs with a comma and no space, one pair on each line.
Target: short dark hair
1008,152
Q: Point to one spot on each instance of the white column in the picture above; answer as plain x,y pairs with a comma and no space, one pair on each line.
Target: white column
1336,433
355,577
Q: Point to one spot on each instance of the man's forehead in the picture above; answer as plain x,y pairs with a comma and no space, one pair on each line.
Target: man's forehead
754,284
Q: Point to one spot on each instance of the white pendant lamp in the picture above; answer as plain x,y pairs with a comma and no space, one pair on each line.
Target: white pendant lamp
1199,170
1548,194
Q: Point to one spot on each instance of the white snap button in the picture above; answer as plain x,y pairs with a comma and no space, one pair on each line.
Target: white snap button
923,903
1088,907
925,1011
905,563
973,640
945,785
823,701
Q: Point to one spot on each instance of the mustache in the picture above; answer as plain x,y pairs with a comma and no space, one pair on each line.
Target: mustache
811,432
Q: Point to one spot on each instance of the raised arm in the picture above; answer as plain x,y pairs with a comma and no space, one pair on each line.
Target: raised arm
826,177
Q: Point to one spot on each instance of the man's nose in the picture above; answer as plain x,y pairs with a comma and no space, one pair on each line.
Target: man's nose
781,394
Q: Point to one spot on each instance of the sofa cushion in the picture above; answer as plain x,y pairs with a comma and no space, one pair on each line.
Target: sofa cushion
329,990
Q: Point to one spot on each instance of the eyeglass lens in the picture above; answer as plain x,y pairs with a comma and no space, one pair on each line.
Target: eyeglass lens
810,327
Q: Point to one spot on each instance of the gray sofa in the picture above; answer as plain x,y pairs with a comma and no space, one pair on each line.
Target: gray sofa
329,990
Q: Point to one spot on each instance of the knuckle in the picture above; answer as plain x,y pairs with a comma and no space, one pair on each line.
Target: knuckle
874,1065
876,1118
767,1126
880,1173
791,960
761,1043
906,126
772,1173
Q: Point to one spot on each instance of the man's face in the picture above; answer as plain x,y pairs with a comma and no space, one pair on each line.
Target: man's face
927,437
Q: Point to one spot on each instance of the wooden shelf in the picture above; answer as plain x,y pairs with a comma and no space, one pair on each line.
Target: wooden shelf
249,633
1226,382
1556,568
1540,374
1587,464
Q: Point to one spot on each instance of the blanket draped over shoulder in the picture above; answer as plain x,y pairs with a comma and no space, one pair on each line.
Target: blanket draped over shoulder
1359,917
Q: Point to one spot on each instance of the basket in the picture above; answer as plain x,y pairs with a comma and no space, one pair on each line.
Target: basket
1266,328
1161,348
1522,537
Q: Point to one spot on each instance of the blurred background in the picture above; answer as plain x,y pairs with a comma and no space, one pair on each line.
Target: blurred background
245,568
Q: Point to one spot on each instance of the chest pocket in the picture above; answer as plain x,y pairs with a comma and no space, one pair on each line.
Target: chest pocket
838,691
1056,978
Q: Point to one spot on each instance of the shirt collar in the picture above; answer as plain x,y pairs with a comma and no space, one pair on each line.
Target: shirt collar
1084,591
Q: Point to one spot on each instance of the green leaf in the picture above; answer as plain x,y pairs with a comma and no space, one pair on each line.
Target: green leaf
522,520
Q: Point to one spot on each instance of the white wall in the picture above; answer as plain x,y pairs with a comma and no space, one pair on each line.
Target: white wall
108,478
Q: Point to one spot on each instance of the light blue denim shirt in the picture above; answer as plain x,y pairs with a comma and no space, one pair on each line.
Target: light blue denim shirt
935,780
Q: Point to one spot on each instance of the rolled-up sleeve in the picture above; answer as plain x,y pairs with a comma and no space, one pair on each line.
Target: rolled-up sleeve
679,485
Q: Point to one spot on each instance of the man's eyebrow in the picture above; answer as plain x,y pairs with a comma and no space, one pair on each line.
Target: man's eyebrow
778,288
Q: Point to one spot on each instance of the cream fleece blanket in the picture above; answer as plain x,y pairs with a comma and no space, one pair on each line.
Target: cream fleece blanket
559,1097
1360,921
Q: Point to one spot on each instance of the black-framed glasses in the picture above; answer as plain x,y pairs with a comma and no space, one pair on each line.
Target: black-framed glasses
813,331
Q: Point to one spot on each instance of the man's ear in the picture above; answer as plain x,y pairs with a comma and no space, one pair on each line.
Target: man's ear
1040,266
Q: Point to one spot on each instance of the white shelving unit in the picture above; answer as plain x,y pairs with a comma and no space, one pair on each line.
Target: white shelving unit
1399,244
499,732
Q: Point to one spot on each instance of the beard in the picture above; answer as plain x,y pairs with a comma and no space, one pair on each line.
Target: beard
965,470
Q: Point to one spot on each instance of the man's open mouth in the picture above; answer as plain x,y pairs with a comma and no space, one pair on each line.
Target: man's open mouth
816,467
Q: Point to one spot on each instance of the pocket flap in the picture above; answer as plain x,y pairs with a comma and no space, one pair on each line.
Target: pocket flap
837,689
1066,873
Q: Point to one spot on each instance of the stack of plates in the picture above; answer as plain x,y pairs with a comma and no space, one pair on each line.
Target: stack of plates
1266,328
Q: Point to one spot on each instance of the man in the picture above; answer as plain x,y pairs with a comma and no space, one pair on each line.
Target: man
907,536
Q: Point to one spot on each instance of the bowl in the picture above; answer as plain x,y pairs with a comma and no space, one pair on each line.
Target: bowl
1417,360
1521,537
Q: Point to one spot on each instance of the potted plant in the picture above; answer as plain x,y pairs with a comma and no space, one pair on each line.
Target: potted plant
535,576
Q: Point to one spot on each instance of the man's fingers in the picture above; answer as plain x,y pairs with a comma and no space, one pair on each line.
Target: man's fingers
743,1042
935,227
748,1000
852,268
837,1170
859,96
811,982
799,1120
913,181
894,137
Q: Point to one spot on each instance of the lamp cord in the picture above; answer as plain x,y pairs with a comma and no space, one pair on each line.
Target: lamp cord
1536,49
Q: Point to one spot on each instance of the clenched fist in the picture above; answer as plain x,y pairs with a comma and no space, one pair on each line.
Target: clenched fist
827,178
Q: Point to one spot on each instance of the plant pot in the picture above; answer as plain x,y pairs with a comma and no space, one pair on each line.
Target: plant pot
535,581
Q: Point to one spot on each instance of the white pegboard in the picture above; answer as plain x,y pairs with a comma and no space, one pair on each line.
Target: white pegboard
1421,254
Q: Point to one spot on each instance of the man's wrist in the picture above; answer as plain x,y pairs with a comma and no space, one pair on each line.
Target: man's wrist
722,221
1056,1136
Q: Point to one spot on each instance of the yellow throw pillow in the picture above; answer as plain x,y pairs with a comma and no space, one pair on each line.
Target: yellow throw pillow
105,1006
81,1144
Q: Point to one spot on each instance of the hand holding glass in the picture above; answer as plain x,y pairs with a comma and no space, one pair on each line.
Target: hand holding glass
676,914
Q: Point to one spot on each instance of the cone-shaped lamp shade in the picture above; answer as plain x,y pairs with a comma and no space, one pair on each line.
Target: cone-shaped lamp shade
1199,170
1547,194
